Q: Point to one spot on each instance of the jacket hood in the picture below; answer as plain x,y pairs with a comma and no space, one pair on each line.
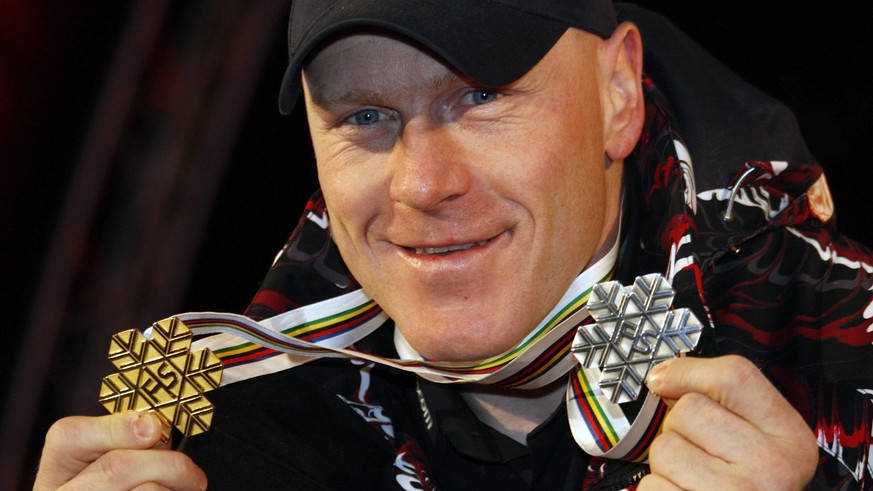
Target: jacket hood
723,118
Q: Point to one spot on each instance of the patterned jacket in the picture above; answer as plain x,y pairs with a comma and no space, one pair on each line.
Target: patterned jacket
731,205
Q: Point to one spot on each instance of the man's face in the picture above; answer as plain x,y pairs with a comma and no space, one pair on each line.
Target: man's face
464,211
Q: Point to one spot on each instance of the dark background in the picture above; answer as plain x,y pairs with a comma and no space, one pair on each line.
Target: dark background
55,64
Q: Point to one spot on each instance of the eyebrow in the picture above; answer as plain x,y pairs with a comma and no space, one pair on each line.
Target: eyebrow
323,95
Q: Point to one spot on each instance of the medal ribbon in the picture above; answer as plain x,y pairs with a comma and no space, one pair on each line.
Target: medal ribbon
327,329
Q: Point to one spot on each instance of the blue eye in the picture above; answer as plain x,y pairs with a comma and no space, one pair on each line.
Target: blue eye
366,116
482,96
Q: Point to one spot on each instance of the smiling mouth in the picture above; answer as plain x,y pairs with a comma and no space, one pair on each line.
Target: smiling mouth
445,250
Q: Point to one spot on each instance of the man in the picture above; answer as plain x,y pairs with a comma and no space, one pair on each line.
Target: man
474,160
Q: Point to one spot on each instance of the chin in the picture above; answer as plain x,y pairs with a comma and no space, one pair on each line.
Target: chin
471,344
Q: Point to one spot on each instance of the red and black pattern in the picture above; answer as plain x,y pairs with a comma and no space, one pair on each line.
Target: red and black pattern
781,286
776,284
307,270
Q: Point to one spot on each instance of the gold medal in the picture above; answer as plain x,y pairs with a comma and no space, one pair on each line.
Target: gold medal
162,375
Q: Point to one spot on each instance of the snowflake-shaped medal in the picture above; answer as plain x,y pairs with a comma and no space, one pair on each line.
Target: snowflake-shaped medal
635,329
162,375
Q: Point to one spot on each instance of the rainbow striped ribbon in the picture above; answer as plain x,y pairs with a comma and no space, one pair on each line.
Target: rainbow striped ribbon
601,427
328,329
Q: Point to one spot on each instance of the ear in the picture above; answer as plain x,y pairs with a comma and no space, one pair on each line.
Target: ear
621,63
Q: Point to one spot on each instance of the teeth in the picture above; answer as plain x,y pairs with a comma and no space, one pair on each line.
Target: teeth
443,250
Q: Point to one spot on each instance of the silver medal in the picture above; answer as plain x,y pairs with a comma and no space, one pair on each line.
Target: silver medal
635,329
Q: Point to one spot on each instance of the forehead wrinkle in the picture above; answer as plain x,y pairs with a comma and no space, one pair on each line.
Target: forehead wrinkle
325,94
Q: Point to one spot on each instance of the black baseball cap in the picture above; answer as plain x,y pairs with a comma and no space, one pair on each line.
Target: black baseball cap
494,42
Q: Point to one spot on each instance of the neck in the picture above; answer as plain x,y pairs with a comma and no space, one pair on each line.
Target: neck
514,412
517,412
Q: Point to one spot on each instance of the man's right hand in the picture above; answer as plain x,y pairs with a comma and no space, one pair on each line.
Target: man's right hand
117,452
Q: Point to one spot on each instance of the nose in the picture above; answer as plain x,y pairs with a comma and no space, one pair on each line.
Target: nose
428,168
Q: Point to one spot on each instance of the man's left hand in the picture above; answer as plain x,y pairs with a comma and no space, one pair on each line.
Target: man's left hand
728,428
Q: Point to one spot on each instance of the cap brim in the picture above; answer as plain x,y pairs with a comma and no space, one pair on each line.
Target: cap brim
514,42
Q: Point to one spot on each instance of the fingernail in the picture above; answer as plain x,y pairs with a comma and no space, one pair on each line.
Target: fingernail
144,426
655,379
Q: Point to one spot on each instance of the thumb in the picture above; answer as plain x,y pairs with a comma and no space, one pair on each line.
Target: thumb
74,442
732,381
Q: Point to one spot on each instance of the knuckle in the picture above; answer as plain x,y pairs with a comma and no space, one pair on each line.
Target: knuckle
115,464
741,369
660,448
62,432
692,406
179,467
181,463
56,432
739,372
